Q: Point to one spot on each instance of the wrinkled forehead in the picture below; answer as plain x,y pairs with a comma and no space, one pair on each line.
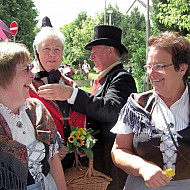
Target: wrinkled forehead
51,42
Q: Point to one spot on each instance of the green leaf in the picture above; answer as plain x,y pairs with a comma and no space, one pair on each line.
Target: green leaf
88,152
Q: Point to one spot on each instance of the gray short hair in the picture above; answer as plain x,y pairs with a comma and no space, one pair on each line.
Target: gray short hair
46,33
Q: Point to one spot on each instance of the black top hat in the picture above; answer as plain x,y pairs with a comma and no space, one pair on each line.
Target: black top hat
46,22
109,36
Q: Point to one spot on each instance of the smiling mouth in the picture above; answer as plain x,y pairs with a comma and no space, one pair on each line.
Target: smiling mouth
158,80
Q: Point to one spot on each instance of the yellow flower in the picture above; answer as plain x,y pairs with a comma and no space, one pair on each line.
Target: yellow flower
77,133
81,130
79,140
71,139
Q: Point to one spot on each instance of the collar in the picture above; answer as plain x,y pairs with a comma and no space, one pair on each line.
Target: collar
182,100
104,72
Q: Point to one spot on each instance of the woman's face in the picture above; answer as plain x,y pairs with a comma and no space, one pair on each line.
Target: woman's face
165,80
19,88
50,53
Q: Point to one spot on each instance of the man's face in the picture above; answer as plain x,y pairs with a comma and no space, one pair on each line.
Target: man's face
100,57
50,54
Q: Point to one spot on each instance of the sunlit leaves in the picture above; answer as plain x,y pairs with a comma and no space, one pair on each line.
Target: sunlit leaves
175,12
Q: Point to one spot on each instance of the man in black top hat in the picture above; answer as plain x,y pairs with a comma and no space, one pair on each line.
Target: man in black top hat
107,97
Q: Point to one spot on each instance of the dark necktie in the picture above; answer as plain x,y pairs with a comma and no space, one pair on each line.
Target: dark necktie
53,76
40,75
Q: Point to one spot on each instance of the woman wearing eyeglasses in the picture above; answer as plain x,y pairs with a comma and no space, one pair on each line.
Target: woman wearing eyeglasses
152,144
28,138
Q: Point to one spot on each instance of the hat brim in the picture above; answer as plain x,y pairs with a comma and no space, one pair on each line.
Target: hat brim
107,42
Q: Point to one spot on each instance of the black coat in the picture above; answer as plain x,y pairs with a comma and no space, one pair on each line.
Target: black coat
102,110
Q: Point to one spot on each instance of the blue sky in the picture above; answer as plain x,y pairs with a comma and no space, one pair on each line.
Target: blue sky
65,11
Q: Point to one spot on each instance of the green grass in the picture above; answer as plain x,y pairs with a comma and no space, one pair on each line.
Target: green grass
92,75
87,89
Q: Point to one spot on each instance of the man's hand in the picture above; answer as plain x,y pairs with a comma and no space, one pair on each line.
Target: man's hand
55,91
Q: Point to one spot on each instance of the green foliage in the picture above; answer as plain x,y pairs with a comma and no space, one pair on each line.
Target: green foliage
138,60
134,37
78,34
188,37
134,31
24,13
138,57
175,12
171,15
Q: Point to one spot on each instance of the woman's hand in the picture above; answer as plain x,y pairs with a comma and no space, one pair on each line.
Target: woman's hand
153,175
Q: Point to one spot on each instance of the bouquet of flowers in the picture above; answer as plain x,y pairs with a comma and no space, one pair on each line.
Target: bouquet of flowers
81,141
79,177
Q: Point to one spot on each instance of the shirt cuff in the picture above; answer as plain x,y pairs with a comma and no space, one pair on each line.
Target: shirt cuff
71,100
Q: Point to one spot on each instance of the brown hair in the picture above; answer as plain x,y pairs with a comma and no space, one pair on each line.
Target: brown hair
177,45
11,55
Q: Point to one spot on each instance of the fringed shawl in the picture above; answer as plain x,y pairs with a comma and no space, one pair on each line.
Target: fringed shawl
13,155
12,172
137,112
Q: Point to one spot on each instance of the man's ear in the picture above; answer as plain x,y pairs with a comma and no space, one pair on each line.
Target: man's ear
111,50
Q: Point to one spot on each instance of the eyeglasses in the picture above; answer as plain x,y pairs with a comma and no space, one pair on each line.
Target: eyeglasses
28,68
157,67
